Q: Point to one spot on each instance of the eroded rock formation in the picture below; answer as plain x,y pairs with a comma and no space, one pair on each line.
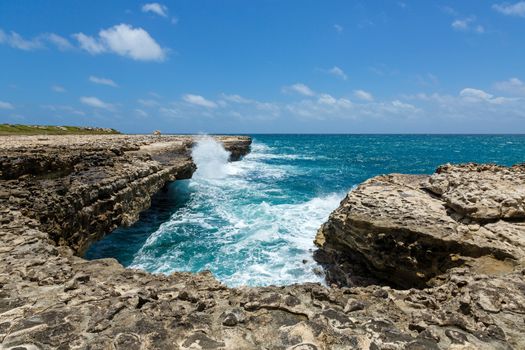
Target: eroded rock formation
57,194
464,225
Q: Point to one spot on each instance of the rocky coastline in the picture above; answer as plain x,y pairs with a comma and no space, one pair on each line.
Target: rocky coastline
415,262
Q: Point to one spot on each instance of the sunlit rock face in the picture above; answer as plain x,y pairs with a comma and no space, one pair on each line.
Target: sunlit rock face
409,229
57,194
459,234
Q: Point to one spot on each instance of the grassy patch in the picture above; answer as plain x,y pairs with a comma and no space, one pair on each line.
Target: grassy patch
19,129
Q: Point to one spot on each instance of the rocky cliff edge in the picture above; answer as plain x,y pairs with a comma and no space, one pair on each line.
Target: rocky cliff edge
58,194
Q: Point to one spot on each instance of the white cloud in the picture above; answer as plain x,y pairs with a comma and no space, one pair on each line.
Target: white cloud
102,81
123,40
58,88
450,11
300,89
338,28
60,42
198,100
90,44
403,106
363,95
517,9
460,24
472,105
236,99
512,86
468,24
16,41
326,99
268,109
474,95
96,103
156,8
337,72
6,105
468,107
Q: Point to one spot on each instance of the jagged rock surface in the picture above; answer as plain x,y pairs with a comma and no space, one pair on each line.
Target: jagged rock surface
464,222
57,194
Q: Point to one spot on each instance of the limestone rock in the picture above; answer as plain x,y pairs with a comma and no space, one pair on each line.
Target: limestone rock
58,194
458,234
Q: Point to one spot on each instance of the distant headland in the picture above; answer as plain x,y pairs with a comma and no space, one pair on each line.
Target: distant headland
21,129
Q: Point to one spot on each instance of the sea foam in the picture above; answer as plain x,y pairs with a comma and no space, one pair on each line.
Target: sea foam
239,222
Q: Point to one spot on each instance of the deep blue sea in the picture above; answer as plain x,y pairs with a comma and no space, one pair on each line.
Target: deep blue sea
253,222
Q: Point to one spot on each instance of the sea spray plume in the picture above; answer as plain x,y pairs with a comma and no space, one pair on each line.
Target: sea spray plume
210,157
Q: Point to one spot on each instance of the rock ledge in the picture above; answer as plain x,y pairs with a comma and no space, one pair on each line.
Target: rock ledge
58,194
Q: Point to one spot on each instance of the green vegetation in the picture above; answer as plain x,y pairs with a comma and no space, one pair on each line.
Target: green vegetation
18,129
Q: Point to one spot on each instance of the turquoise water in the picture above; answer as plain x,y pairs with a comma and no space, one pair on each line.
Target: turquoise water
252,222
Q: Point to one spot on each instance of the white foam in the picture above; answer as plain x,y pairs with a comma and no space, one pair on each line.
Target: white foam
210,157
233,226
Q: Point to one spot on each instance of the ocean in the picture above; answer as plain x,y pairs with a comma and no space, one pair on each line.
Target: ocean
253,222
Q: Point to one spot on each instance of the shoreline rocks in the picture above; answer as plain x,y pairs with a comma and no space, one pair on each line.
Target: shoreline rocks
410,229
457,235
58,194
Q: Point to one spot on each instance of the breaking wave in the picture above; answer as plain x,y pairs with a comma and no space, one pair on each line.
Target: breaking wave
240,221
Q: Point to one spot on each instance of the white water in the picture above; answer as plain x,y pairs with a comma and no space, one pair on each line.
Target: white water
210,157
240,222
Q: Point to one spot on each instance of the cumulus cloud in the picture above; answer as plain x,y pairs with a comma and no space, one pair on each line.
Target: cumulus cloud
90,44
363,95
468,25
96,103
123,40
6,105
41,41
156,8
199,100
398,105
271,109
470,104
475,95
338,28
326,107
467,107
517,9
299,88
102,81
16,41
236,99
60,42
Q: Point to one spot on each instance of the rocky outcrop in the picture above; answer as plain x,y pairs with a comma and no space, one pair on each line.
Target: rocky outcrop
59,194
464,223
410,229
94,184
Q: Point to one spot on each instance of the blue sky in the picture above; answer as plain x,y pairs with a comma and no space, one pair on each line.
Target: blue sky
238,66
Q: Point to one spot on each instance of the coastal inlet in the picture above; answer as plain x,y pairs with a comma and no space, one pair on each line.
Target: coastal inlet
253,222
